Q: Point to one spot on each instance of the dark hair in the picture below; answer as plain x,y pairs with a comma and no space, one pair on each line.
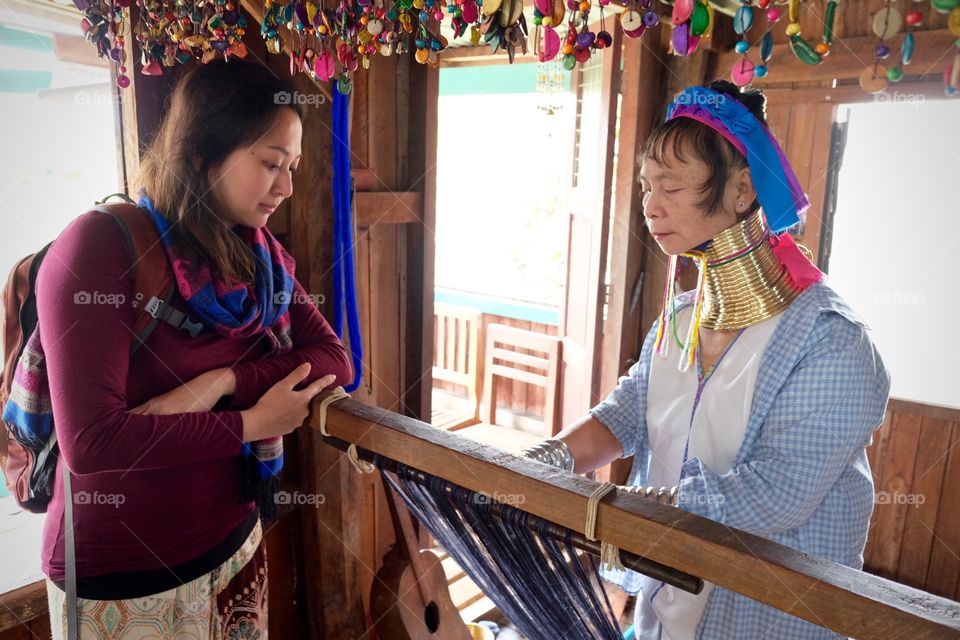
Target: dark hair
684,135
215,109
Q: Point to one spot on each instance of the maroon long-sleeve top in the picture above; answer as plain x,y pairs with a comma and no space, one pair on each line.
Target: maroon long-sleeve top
154,491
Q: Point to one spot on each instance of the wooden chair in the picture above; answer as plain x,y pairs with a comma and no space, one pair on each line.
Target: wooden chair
507,355
457,362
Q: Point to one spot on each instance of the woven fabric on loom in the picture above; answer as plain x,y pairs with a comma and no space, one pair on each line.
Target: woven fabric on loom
545,587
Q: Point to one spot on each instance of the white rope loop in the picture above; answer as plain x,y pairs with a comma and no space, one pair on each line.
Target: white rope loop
609,553
362,466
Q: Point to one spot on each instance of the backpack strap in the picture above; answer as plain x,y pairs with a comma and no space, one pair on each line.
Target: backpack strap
153,284
69,558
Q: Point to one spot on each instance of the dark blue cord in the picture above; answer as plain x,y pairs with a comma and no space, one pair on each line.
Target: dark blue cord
344,281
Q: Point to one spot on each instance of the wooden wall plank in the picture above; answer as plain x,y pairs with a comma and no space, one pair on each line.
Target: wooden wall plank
381,116
797,138
280,543
876,454
779,122
382,333
418,160
928,410
816,185
360,135
387,207
642,77
890,512
914,541
944,563
927,486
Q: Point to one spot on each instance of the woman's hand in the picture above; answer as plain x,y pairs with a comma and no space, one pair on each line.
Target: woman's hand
281,409
195,396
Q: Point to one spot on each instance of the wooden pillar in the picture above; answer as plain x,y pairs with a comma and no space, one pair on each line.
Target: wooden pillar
346,537
421,175
642,81
140,108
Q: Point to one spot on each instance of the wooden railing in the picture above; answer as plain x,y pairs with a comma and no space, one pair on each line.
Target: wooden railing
847,601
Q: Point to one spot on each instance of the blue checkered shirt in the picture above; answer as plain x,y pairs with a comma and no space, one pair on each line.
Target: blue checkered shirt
801,476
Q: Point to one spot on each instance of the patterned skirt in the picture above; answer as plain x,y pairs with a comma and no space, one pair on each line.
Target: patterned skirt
229,603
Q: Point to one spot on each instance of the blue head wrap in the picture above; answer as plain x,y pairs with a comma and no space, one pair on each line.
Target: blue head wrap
777,187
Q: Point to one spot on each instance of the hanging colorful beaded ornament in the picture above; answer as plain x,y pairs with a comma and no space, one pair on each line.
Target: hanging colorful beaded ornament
103,25
692,20
744,70
803,50
329,42
951,75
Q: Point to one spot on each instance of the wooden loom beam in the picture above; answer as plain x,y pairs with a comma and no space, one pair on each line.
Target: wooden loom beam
825,593
679,579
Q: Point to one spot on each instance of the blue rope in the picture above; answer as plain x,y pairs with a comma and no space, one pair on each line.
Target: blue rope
344,280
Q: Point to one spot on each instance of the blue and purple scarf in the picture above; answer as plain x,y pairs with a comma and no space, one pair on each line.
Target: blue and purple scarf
240,311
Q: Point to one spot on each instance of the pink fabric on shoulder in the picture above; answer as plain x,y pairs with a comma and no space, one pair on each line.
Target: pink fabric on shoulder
803,272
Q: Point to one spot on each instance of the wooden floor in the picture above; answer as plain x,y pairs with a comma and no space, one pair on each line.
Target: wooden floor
470,601
452,412
506,438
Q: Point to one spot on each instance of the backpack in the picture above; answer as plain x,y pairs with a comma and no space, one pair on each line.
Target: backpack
29,466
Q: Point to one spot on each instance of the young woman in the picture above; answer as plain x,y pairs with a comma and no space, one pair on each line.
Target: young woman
762,421
168,449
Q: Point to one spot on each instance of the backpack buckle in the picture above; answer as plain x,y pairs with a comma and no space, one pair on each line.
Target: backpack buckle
153,307
161,310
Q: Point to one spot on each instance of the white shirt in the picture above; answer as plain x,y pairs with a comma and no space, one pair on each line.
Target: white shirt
715,433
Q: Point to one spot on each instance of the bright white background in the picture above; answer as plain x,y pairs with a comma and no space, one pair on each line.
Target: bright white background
896,244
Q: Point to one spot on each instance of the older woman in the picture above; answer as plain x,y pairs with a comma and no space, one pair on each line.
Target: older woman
762,422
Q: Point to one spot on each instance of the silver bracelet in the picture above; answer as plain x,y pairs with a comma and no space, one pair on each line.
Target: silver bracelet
663,495
554,452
